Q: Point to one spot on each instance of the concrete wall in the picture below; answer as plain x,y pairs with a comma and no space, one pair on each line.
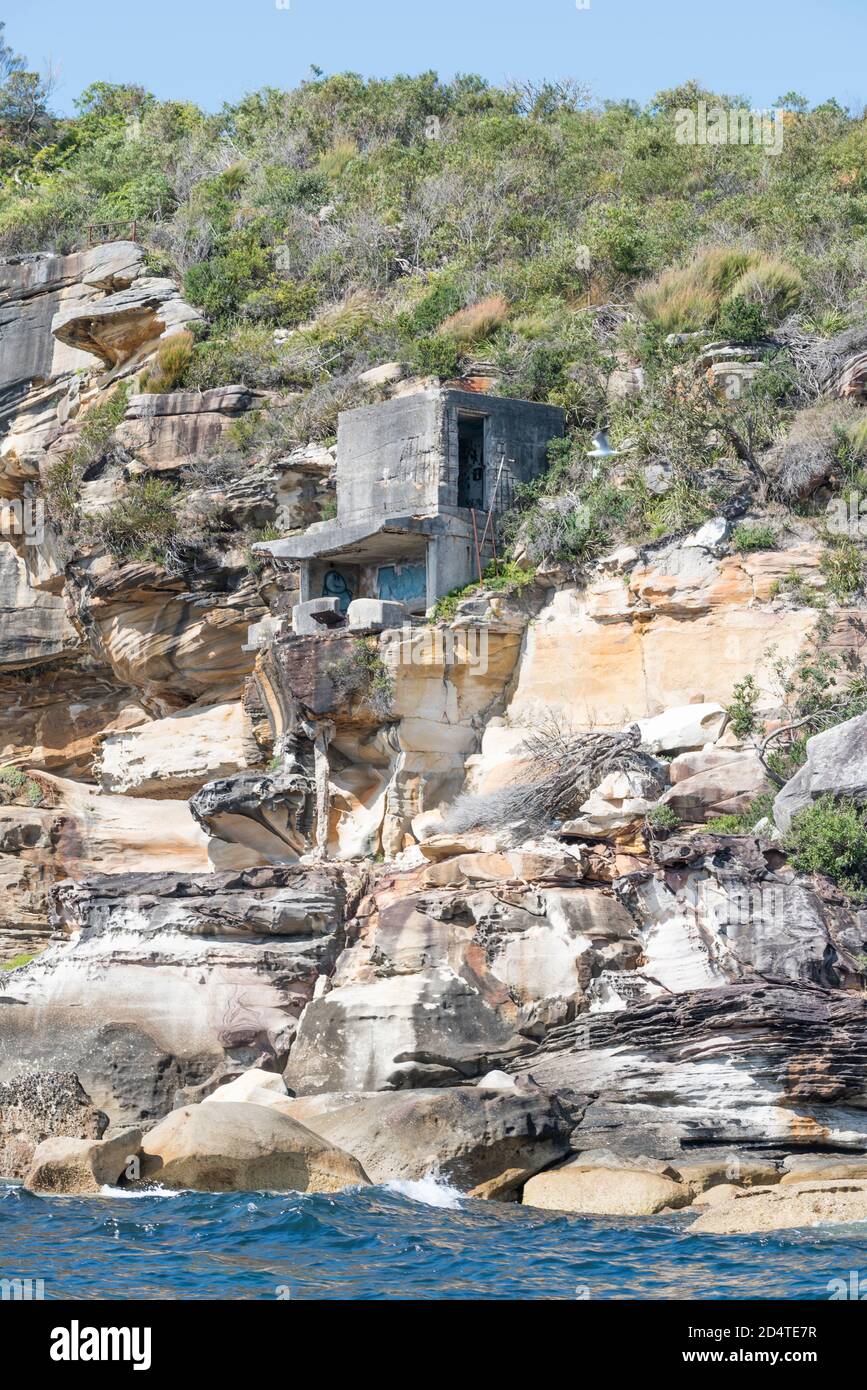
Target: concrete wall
400,458
367,581
516,432
390,458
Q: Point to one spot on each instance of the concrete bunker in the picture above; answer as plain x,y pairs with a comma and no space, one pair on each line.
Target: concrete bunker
421,481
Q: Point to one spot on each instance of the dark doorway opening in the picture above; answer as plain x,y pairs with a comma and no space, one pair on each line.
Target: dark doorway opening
471,461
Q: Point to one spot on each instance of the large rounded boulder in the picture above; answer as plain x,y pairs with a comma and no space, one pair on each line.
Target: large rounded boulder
236,1147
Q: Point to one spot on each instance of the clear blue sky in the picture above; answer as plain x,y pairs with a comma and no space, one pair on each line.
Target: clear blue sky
211,51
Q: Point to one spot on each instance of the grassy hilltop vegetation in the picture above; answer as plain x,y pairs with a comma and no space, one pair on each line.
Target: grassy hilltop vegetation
337,226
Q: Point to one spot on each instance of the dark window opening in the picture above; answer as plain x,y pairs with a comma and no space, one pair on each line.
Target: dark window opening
471,462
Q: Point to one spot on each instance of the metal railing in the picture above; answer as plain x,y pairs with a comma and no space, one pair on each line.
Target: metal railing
95,230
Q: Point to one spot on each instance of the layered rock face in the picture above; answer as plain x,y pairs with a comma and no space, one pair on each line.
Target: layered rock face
769,1067
171,977
232,844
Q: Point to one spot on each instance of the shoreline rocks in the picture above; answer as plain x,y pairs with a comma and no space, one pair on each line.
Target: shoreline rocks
784,1207
466,1135
39,1105
239,1147
81,1167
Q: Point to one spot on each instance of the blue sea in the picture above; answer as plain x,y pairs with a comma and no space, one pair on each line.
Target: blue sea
406,1240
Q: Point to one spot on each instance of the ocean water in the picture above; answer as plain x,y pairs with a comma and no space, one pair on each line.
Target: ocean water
405,1240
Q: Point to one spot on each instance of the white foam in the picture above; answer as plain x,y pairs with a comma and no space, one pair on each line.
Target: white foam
433,1190
128,1193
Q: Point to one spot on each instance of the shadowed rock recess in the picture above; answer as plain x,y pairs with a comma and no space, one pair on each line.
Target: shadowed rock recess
378,800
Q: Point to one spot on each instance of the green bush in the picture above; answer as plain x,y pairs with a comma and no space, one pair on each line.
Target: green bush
221,285
662,818
741,320
62,485
742,289
20,785
141,525
742,823
750,536
503,576
843,567
742,710
436,356
830,837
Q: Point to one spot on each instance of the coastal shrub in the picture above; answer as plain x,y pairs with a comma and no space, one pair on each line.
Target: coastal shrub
243,354
842,564
62,484
742,822
741,711
141,525
741,321
662,819
771,285
749,536
436,356
813,450
830,837
19,785
253,559
688,299
559,770
221,284
477,321
172,361
364,676
719,287
17,961
498,577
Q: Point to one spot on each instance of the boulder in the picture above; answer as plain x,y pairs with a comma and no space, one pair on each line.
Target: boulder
615,810
252,1083
726,789
385,374
505,1187
717,1196
836,764
81,1167
38,1105
711,535
240,1148
734,1169
165,429
119,325
783,1207
689,726
823,1168
466,1135
604,1191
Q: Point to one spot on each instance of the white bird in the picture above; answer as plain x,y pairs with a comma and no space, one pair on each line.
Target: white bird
602,448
